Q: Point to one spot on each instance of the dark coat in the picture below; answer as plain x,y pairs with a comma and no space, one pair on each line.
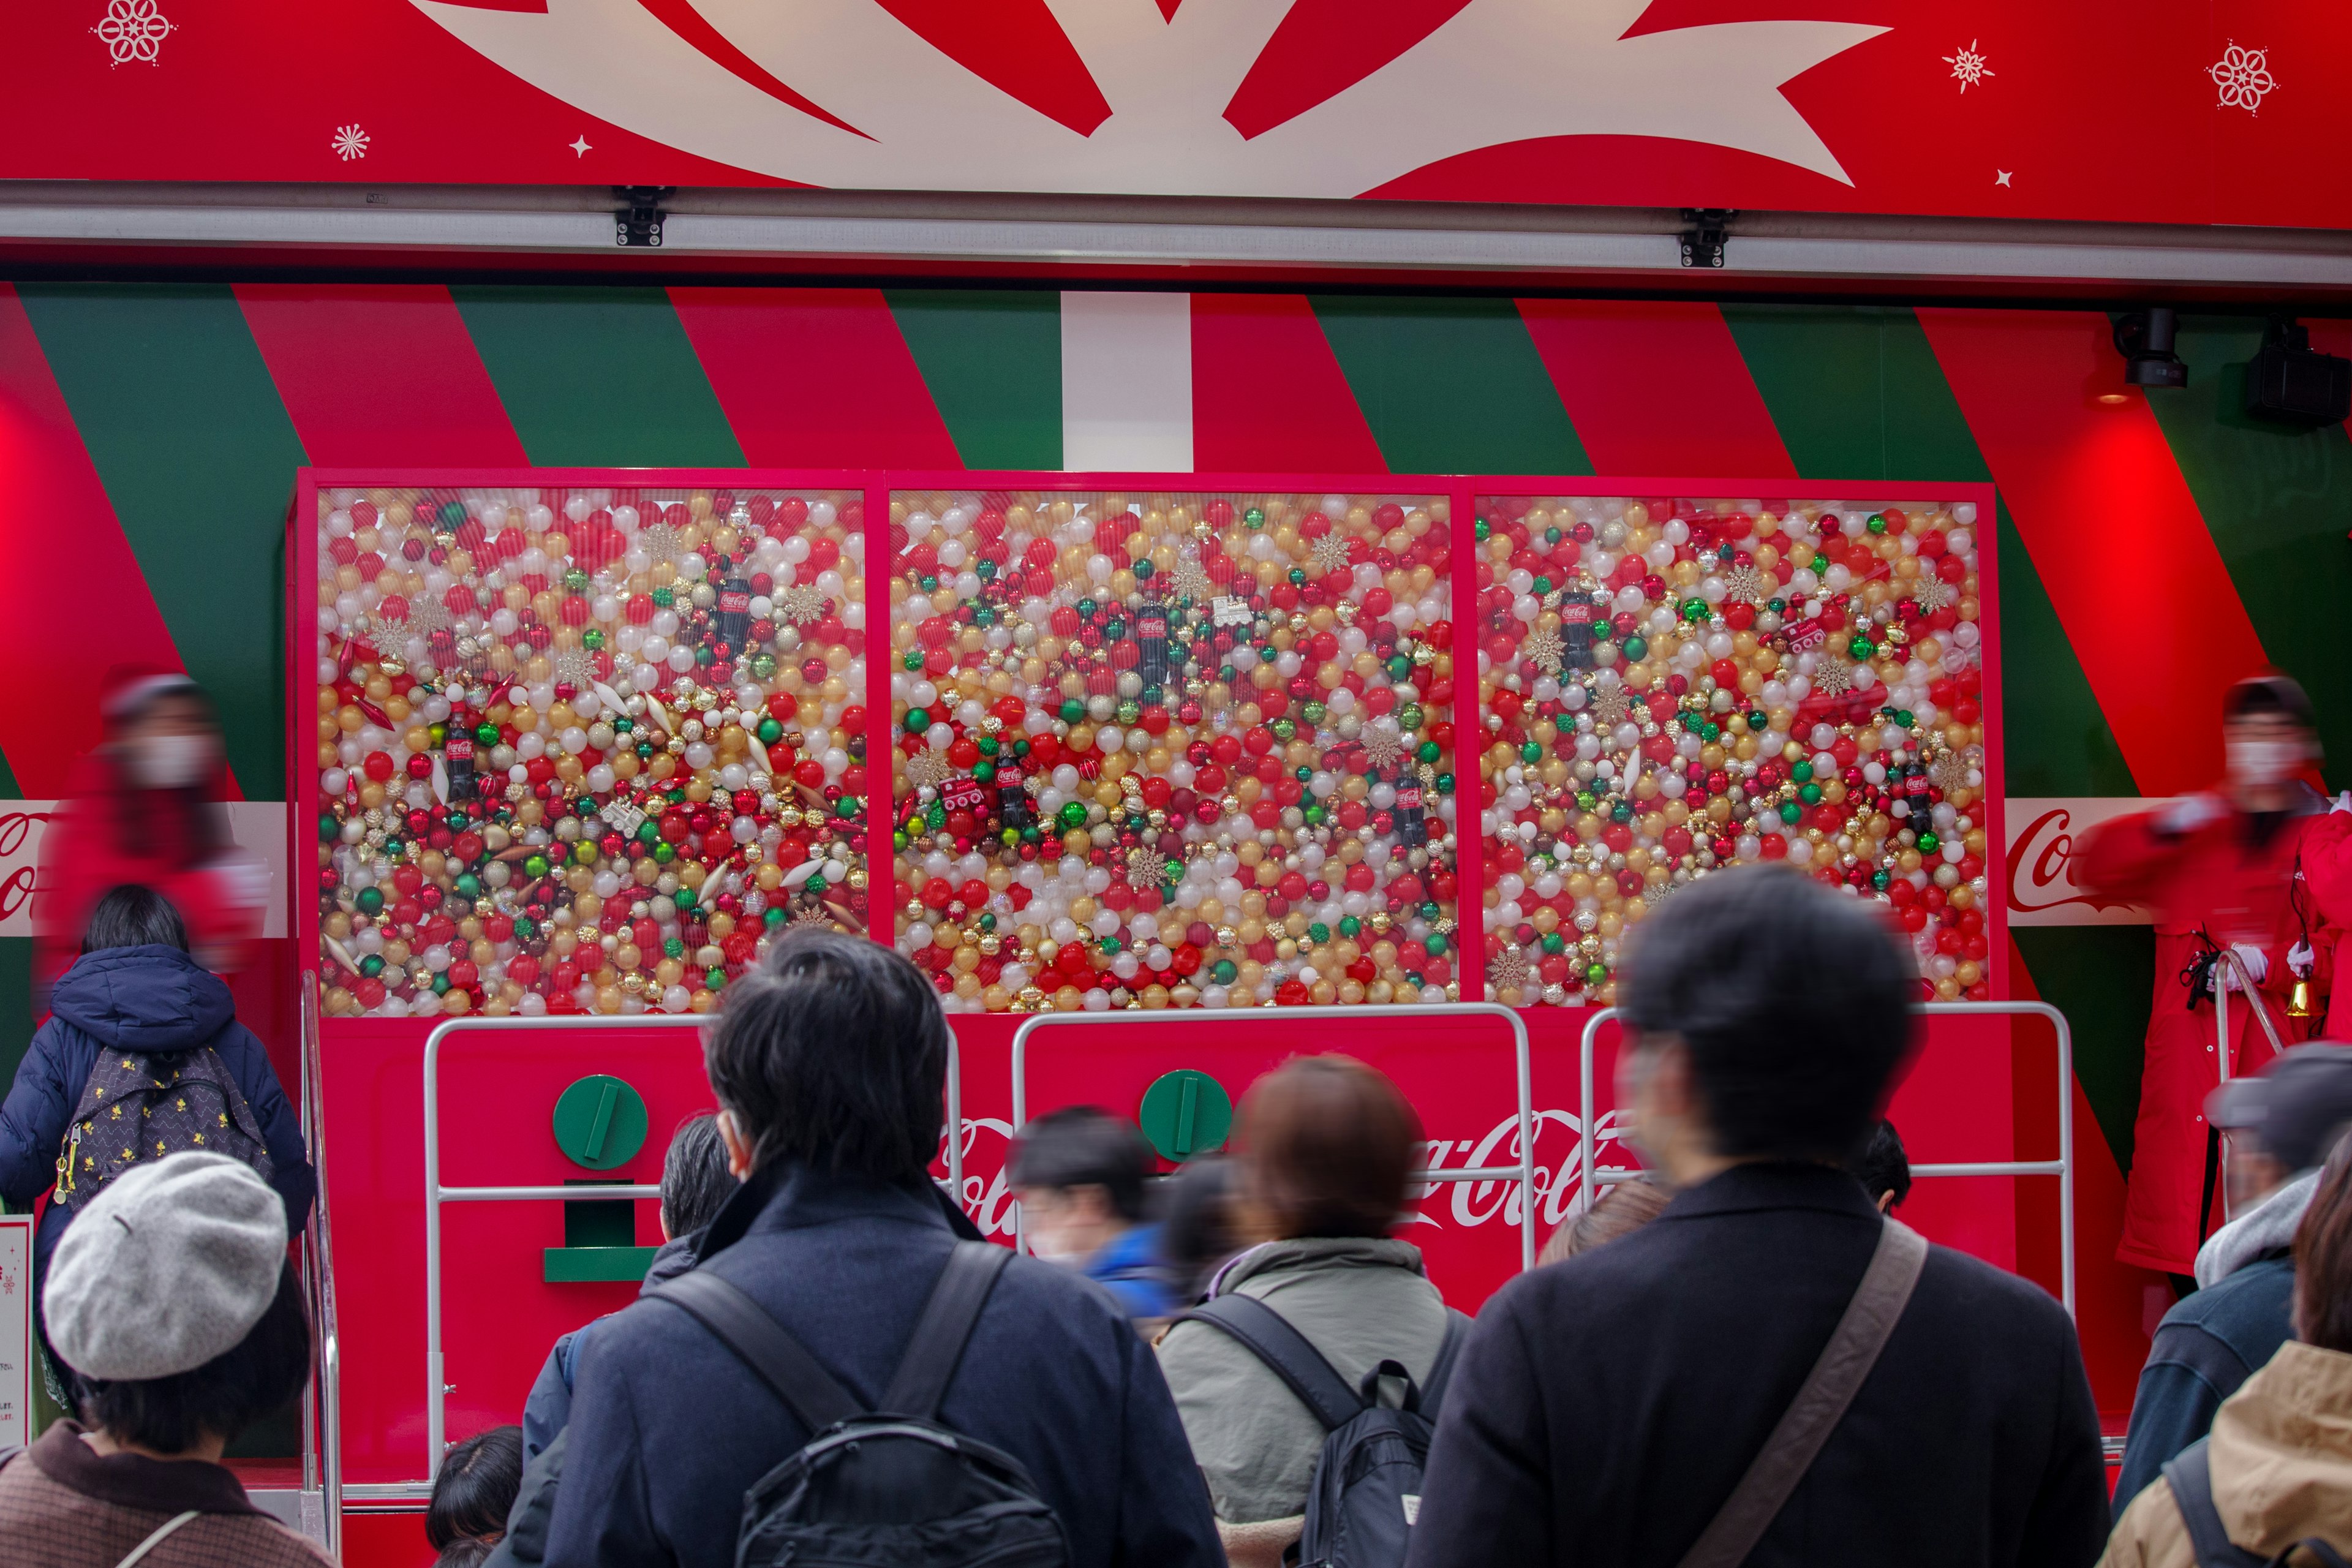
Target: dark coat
1605,1407
2208,1345
135,999
548,1409
668,1428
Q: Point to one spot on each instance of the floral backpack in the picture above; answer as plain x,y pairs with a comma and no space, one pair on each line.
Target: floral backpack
139,1107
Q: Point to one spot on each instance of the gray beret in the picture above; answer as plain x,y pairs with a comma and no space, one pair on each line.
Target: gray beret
169,1267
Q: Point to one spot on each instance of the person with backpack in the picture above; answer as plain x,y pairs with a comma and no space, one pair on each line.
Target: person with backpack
848,1365
141,1058
2273,1483
1309,1378
1771,1372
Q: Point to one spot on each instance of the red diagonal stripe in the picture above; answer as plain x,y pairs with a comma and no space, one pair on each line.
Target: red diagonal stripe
2115,534
815,377
77,600
378,372
1267,392
1657,387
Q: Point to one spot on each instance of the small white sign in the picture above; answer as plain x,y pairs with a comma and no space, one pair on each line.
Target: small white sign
258,827
2042,833
15,1330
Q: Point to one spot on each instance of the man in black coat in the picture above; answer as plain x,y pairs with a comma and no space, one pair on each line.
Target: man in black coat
1605,1407
828,1065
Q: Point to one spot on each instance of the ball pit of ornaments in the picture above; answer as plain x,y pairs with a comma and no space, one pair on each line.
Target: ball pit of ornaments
1671,686
582,751
1173,751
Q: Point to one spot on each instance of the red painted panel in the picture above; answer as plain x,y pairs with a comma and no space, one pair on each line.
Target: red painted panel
386,1540
1657,387
2077,475
59,529
814,376
1267,392
378,372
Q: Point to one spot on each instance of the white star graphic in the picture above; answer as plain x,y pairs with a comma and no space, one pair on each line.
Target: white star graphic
579,148
2001,177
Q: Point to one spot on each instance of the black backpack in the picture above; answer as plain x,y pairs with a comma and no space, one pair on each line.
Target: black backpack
891,1488
2190,1476
136,1108
1366,1493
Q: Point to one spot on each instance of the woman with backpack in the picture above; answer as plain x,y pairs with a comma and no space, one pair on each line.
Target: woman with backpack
2273,1483
141,1058
1326,1146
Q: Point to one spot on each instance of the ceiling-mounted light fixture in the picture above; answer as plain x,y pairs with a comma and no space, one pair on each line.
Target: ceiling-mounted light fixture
2145,340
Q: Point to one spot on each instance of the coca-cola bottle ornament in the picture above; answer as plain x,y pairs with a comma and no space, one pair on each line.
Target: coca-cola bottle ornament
1411,818
1012,799
1914,795
1152,643
734,618
1576,631
458,756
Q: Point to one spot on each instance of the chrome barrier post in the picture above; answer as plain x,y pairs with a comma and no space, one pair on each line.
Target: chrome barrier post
1523,1173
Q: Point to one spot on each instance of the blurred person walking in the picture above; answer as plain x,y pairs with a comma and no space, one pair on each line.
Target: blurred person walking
177,1314
1078,1173
2281,1126
2273,1483
1324,1149
144,808
2225,872
828,1062
1771,1372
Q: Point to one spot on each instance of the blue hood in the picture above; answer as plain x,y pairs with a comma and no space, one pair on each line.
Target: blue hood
143,999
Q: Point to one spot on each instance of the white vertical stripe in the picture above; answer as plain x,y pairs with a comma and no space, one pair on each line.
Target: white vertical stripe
1126,381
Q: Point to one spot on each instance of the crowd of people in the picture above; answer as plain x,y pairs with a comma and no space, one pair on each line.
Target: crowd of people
1740,1356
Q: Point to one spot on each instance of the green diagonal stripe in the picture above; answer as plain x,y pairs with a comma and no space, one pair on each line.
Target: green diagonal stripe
197,455
599,377
1857,394
2278,500
1451,385
993,361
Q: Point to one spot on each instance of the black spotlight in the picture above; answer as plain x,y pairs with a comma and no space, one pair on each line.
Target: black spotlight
2290,382
2145,340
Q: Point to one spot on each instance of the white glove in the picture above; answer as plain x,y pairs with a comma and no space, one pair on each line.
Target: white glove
2191,811
2300,958
2343,803
2256,961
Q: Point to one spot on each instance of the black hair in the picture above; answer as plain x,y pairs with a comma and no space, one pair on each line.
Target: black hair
695,1178
834,1051
477,1488
466,1551
133,916
1881,1165
2268,696
1083,1146
1198,1227
1793,1002
221,1398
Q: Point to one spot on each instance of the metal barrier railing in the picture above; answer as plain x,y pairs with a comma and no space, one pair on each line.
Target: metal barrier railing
322,1405
1523,1173
2062,1167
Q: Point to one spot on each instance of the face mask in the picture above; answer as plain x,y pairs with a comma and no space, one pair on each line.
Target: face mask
169,762
2263,762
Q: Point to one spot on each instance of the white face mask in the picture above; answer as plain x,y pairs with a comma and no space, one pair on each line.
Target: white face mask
2263,762
169,762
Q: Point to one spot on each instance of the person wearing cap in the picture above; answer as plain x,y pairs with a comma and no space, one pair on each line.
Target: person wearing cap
2224,873
145,808
176,1308
2279,1128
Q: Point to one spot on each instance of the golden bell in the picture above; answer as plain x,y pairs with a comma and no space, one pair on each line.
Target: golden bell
2299,1005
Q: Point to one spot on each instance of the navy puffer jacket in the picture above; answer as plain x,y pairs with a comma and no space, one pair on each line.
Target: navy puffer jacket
135,999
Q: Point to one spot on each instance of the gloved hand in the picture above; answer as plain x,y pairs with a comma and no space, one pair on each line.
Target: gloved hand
2300,959
2257,966
2191,811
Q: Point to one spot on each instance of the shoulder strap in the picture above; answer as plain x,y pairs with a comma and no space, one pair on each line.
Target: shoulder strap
2190,1476
1853,1348
139,1552
941,1332
1268,1336
743,1326
2327,1556
1441,1371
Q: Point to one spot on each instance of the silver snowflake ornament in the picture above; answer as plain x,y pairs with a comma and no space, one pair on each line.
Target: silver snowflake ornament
575,667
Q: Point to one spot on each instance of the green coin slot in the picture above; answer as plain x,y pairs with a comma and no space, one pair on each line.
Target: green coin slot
600,1122
1185,1113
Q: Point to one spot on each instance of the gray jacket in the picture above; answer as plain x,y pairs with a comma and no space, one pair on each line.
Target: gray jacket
1358,1301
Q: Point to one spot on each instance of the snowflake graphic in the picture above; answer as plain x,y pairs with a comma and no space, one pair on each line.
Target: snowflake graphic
133,30
2243,76
1969,67
351,142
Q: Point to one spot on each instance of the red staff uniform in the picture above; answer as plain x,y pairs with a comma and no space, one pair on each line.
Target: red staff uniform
2211,887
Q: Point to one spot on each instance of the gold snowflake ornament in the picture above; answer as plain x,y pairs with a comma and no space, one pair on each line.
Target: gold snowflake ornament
1145,867
1834,677
1543,649
799,604
1384,749
1610,705
1190,579
1949,771
1743,584
1934,593
928,769
1510,971
661,541
1330,552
